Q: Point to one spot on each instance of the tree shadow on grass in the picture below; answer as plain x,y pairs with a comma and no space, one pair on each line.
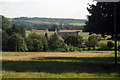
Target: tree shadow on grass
59,65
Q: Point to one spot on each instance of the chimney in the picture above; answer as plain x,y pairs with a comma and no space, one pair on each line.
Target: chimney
55,31
46,35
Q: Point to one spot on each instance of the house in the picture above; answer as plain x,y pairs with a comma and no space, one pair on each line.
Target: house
49,37
65,33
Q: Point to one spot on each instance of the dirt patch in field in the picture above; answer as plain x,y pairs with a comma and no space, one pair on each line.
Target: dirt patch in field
54,54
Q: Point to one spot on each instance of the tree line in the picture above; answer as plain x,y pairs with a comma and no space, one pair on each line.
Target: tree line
43,26
15,39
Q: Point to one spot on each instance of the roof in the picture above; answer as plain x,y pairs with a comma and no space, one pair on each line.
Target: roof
70,31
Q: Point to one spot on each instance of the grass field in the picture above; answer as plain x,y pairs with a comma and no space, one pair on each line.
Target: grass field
77,24
59,65
40,32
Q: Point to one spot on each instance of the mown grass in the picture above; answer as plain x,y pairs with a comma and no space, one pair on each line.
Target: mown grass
62,67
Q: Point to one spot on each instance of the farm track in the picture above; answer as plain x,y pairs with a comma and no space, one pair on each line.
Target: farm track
52,54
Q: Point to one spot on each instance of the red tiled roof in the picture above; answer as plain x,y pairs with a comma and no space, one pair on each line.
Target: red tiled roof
70,30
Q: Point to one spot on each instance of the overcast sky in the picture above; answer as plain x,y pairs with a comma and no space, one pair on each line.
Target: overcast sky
45,8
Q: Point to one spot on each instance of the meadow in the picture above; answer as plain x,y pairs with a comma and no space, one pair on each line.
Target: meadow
59,65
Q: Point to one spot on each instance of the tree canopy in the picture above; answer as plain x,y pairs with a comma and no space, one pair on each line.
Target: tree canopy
74,40
101,20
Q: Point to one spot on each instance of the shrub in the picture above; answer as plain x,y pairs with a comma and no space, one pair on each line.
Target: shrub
55,44
75,40
74,49
36,42
16,43
83,46
37,45
102,46
92,43
95,37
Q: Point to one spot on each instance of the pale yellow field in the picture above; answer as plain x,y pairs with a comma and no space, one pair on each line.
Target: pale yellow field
30,55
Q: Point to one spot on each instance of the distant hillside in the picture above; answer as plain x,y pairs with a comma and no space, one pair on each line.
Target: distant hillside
42,23
49,20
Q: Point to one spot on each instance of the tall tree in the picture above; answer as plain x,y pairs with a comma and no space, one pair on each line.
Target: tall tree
19,29
103,20
16,43
5,23
56,44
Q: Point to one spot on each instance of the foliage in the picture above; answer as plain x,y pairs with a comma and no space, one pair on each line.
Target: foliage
46,23
101,20
92,43
74,40
18,29
5,23
83,46
36,42
5,37
16,43
50,20
102,46
54,27
74,49
110,44
44,43
95,37
55,44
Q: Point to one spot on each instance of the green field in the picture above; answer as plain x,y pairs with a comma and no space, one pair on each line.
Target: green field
59,65
40,32
77,24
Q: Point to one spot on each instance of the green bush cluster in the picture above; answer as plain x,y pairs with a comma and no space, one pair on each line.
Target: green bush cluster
93,41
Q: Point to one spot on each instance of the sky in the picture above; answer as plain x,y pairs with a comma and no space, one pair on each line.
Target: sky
75,9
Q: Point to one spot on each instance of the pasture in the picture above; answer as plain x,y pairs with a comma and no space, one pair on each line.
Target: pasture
40,32
60,65
77,24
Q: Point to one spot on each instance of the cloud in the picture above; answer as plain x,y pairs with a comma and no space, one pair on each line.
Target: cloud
19,1
11,0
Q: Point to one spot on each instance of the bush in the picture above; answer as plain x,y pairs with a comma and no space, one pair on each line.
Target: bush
92,43
89,48
74,49
95,37
36,42
110,44
16,43
55,44
75,40
102,46
83,46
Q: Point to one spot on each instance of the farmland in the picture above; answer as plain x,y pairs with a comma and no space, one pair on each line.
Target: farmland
59,65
